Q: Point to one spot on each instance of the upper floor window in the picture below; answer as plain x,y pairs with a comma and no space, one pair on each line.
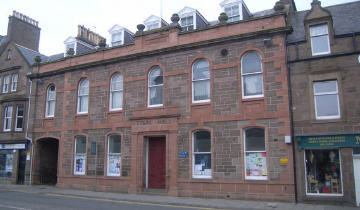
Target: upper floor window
116,38
116,92
320,43
252,75
201,154
155,90
9,54
50,101
200,81
19,118
326,96
6,84
255,154
114,155
14,82
69,46
83,97
7,118
187,23
233,13
152,26
80,155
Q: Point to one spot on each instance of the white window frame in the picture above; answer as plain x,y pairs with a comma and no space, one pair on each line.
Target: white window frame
197,153
80,155
325,34
112,91
82,96
199,80
255,73
14,82
193,15
257,151
19,117
117,42
341,175
152,25
7,118
152,86
50,102
108,157
232,15
327,93
6,84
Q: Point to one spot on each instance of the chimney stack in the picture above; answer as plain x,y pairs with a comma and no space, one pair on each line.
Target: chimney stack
89,36
24,31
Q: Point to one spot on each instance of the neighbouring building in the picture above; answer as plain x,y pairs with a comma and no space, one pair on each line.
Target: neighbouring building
193,108
17,52
323,59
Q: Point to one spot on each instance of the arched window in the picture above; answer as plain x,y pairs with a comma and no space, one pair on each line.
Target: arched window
116,92
200,81
201,154
252,75
155,91
80,155
83,96
114,155
50,101
255,154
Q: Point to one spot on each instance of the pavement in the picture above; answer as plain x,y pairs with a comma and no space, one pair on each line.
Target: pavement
167,200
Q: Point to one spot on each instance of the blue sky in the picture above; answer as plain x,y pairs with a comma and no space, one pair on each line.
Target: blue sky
58,19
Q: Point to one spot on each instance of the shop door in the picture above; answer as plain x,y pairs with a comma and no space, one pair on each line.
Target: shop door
21,169
357,178
156,163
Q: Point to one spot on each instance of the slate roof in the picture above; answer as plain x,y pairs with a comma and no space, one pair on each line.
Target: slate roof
54,57
30,55
346,20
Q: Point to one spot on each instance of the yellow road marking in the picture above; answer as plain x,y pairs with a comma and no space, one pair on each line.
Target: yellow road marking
130,202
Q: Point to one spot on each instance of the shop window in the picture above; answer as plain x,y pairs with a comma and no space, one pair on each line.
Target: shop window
320,43
14,82
80,155
356,151
6,163
116,92
252,76
323,172
255,154
83,97
326,96
7,118
201,154
114,155
155,91
19,118
50,101
6,84
201,81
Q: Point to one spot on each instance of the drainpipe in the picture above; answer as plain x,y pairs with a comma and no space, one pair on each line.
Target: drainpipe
26,131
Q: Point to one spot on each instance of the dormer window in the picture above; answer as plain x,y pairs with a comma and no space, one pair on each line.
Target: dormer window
116,39
187,23
320,43
152,26
154,22
70,46
70,43
233,13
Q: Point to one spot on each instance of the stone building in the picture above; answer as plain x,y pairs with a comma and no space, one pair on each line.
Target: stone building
323,58
17,52
196,112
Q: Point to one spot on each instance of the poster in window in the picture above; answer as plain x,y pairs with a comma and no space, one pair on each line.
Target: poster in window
9,161
202,164
256,164
80,164
114,165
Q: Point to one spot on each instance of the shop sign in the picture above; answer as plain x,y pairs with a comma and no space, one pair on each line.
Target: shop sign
12,146
334,141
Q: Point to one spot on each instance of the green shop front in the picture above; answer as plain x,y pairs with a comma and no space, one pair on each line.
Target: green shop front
328,168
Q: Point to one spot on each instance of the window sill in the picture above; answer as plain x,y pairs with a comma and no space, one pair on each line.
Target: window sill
82,115
324,121
155,106
119,111
201,104
49,118
260,98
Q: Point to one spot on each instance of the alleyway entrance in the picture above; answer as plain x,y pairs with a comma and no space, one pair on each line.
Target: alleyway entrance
47,161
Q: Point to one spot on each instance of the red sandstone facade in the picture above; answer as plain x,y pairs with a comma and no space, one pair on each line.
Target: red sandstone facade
226,115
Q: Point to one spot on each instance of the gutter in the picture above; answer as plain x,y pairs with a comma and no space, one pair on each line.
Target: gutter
26,132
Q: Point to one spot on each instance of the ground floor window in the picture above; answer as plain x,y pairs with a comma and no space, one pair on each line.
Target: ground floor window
80,155
202,154
114,155
6,163
323,171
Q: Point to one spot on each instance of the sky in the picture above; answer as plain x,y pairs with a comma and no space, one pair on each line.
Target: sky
58,19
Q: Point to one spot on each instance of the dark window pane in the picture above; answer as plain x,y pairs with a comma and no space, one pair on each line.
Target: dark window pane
202,141
115,144
80,144
251,63
255,139
356,150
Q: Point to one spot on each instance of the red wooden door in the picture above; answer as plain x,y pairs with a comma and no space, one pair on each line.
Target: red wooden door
156,173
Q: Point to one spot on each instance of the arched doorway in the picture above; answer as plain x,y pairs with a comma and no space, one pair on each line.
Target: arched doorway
47,161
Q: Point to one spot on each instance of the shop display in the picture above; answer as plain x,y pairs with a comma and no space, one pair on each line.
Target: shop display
256,164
